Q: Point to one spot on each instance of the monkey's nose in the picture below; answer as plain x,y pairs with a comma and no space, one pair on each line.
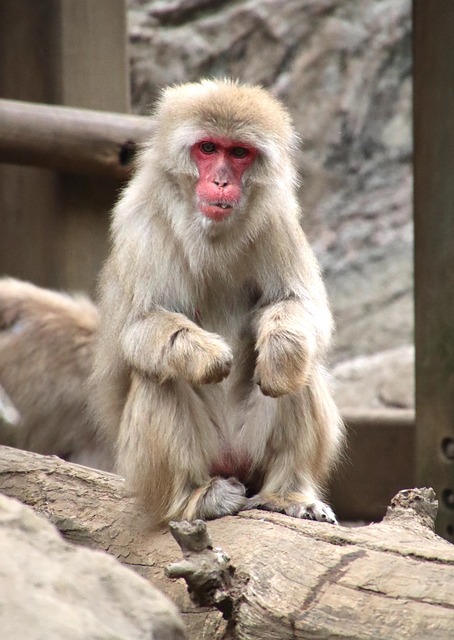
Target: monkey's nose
221,182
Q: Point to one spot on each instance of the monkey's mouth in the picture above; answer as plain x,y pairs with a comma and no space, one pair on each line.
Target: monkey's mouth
216,210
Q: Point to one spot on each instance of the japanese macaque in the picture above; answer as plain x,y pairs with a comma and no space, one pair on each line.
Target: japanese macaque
209,373
46,355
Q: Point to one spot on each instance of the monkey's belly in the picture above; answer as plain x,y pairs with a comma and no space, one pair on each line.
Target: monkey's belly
230,463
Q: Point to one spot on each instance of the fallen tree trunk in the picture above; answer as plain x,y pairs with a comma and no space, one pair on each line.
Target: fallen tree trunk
293,578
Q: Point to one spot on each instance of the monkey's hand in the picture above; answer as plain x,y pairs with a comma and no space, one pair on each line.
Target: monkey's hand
167,345
198,356
285,350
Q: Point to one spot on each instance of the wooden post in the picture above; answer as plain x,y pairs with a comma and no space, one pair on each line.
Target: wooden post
434,251
68,52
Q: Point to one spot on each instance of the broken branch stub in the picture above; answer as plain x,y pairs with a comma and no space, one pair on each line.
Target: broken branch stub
415,504
208,572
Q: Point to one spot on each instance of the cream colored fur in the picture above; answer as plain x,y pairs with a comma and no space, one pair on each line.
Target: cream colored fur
213,334
46,355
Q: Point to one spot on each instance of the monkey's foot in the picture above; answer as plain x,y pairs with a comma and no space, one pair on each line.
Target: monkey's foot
296,505
223,497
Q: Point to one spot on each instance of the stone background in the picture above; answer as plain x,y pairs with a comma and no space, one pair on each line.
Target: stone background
343,67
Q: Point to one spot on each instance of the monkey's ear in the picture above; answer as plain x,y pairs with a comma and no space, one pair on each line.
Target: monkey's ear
170,147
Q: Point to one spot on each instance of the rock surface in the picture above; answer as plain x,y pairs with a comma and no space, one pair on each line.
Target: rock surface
54,590
382,380
344,71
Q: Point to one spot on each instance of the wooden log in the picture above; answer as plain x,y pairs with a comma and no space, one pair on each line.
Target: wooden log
70,140
292,578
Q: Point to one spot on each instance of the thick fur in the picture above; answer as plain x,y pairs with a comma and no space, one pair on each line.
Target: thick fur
46,356
187,303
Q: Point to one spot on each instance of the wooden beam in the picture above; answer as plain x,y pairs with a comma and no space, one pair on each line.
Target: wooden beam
378,462
434,251
69,140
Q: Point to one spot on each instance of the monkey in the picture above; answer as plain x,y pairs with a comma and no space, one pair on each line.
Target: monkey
209,377
46,356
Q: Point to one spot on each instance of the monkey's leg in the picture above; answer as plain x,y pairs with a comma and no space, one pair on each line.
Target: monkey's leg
302,446
167,444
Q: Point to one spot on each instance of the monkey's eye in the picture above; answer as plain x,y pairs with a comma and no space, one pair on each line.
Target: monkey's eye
239,152
208,147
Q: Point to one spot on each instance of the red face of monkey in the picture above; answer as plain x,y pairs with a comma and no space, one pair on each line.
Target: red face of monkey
221,163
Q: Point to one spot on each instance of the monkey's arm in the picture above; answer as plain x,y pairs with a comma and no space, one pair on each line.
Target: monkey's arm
292,323
288,342
167,345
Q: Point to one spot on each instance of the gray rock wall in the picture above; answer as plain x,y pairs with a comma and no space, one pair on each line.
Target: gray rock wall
343,67
53,590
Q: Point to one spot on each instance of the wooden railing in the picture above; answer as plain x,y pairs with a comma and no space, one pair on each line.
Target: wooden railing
70,140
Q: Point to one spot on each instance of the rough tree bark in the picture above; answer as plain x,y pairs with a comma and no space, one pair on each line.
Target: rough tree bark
292,579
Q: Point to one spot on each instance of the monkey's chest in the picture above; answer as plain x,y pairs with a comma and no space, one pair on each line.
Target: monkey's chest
223,307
